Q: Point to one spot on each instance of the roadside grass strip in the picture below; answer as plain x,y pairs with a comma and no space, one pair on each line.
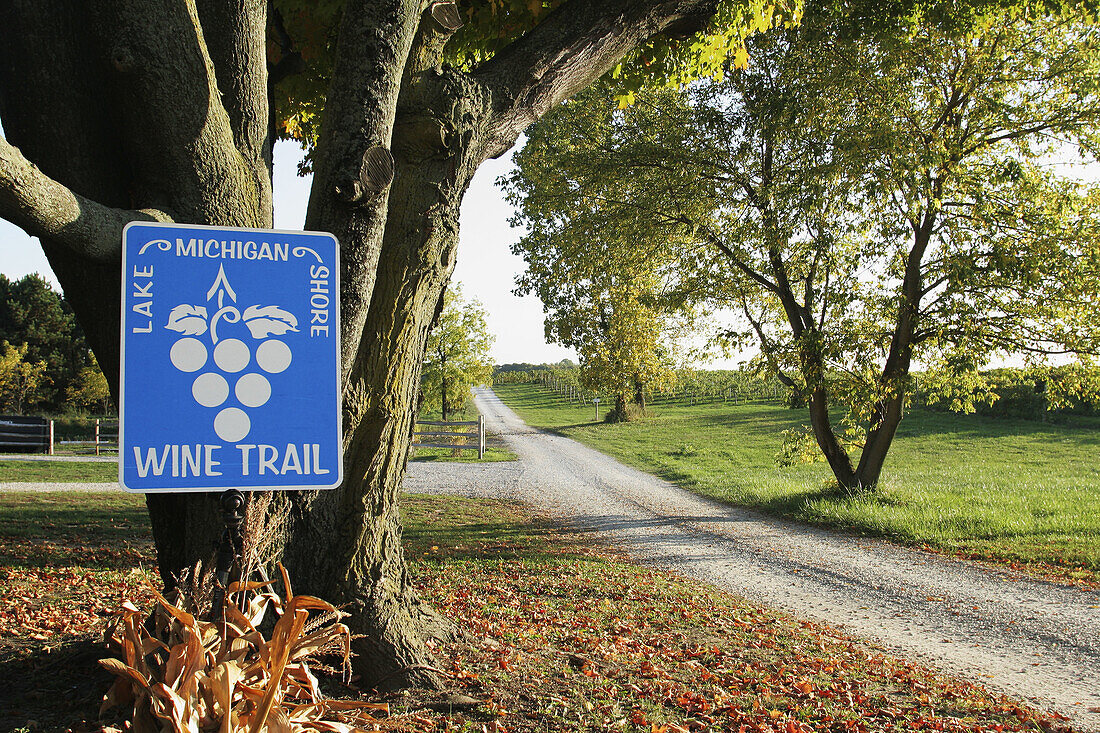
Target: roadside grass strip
1018,492
495,452
557,636
61,472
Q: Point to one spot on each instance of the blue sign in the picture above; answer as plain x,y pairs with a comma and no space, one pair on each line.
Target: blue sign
230,359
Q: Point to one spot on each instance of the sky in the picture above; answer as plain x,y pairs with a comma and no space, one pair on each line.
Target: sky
486,267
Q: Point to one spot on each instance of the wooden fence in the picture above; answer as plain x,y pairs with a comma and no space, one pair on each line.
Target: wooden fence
106,436
441,430
23,434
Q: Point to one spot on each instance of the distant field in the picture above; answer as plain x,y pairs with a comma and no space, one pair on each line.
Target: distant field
107,472
1000,489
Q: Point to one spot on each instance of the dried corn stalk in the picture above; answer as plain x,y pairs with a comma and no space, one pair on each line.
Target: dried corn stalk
192,676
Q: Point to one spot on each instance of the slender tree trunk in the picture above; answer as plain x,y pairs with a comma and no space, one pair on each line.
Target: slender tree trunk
443,383
807,337
812,364
878,442
813,370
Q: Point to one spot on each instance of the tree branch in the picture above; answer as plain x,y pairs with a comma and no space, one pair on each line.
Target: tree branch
372,50
45,208
767,348
236,39
178,135
437,25
574,45
710,236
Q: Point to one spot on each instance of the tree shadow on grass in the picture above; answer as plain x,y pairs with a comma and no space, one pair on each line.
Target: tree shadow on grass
54,687
930,423
473,536
532,540
75,519
72,533
562,430
50,554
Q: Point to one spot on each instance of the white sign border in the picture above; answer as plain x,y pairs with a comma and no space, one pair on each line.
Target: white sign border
122,365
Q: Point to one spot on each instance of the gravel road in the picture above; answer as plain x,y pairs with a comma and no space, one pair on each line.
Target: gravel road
1026,638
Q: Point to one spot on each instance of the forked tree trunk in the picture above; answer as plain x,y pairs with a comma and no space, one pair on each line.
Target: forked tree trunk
363,563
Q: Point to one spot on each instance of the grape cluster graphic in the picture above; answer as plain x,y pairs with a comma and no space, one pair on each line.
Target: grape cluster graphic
226,361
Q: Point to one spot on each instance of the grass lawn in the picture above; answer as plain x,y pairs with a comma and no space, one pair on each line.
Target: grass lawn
58,471
558,636
103,472
1013,491
495,450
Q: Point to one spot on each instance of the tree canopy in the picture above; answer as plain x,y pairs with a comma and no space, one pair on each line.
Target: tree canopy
302,45
457,356
620,317
34,315
20,377
89,389
861,200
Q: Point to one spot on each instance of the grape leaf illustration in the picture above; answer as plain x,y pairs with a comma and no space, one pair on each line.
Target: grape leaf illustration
268,320
187,319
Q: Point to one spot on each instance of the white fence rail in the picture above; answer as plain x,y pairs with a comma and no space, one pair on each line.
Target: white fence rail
433,432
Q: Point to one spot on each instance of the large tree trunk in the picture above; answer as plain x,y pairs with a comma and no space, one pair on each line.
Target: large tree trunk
437,146
140,110
51,79
59,60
